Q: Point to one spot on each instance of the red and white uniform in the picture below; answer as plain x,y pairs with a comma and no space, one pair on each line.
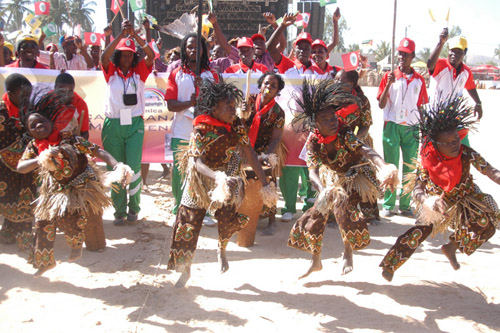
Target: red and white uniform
288,66
406,94
180,87
446,82
119,84
241,68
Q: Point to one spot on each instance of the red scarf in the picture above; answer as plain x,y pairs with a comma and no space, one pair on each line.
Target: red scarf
59,124
11,108
347,110
209,120
444,171
254,129
323,139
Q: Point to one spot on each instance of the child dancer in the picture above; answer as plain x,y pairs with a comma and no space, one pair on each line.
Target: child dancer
362,120
265,131
444,190
17,191
212,170
70,185
337,170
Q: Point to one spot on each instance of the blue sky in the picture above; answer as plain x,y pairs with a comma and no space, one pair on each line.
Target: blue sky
372,19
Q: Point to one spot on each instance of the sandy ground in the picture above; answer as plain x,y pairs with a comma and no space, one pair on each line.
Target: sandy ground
126,288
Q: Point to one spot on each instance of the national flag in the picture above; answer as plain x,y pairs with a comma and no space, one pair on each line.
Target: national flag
115,6
367,42
92,38
302,20
32,21
49,29
137,5
155,48
350,61
42,8
323,3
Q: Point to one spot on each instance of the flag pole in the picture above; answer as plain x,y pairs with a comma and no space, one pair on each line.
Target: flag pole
393,35
199,48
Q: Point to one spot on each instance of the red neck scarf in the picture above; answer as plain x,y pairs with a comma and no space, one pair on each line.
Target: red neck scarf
59,125
444,171
347,110
325,139
209,120
11,108
254,129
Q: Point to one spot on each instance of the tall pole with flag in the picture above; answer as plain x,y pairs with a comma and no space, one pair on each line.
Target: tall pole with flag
393,35
199,48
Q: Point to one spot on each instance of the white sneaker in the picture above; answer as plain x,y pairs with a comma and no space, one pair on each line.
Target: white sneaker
311,200
208,221
287,217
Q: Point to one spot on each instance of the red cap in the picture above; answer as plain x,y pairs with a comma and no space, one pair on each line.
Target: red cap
255,36
320,43
406,45
303,36
126,44
244,42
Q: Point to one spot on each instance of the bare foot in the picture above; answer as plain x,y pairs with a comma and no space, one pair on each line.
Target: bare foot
387,274
42,270
449,251
75,254
270,229
347,259
181,283
315,265
224,265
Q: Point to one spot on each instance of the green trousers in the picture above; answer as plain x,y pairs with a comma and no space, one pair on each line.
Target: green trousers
124,143
395,138
289,186
177,188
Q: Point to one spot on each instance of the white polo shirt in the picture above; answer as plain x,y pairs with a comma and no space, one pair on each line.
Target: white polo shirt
119,84
447,83
180,87
406,94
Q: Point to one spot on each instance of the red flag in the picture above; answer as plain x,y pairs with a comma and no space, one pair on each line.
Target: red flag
302,20
115,5
350,61
153,45
42,8
92,38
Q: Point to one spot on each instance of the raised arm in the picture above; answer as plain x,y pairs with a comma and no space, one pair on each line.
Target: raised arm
431,63
335,37
221,38
108,51
83,51
271,20
150,55
272,43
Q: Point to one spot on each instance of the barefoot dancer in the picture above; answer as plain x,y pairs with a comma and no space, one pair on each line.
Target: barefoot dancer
362,119
70,185
343,181
266,129
212,169
444,189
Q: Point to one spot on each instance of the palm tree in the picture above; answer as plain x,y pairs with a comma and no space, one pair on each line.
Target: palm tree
58,14
16,10
81,13
353,47
497,52
383,50
424,55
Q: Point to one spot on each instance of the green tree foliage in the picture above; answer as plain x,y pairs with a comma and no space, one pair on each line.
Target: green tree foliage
383,50
424,54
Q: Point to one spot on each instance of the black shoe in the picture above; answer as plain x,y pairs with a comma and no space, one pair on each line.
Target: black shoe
132,216
119,221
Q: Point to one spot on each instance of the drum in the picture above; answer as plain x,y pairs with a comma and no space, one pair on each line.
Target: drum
251,206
